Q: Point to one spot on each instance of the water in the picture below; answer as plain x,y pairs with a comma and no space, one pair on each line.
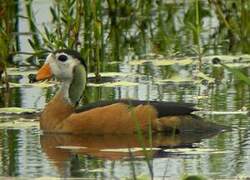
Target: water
27,153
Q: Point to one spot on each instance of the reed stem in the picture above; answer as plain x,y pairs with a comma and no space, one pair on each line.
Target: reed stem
197,22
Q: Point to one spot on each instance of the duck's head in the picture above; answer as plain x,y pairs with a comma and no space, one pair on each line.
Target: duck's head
69,68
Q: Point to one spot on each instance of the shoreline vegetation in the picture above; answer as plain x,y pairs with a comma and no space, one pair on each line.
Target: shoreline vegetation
104,31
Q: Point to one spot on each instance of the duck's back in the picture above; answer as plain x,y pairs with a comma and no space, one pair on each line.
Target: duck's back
162,108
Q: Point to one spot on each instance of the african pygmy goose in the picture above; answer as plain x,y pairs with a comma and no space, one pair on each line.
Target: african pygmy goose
61,114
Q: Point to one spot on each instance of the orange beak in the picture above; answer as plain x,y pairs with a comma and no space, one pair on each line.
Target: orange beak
44,73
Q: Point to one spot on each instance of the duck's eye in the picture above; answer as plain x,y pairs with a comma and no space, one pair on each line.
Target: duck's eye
62,58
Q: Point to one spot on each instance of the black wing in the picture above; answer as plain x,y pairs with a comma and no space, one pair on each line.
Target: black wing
163,108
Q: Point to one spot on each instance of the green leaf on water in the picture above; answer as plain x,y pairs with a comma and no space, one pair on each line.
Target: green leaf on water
172,61
18,72
174,79
71,147
93,170
163,62
240,112
19,124
224,58
195,151
16,110
39,84
113,84
126,150
113,62
238,65
201,97
228,58
205,77
111,74
138,62
47,177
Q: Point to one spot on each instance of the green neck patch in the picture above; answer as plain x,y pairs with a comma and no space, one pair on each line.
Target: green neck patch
78,84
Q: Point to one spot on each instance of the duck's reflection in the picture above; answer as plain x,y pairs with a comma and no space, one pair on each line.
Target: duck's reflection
60,146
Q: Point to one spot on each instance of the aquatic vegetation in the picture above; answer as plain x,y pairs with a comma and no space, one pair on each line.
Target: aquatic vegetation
94,28
113,84
233,21
105,30
35,44
235,71
8,25
157,50
193,177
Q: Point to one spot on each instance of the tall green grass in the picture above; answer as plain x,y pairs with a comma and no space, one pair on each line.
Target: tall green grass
93,27
8,26
198,31
142,138
106,30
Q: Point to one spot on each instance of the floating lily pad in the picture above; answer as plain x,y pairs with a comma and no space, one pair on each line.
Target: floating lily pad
16,110
201,97
111,74
19,124
71,147
113,62
92,170
126,150
163,62
152,55
113,84
234,65
224,112
221,57
47,177
205,77
138,62
172,61
174,79
39,84
18,72
228,59
238,65
195,151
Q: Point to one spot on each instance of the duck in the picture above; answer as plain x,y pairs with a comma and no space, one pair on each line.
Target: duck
62,113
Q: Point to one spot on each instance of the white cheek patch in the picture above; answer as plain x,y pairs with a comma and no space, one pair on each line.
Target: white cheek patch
66,71
62,70
50,58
